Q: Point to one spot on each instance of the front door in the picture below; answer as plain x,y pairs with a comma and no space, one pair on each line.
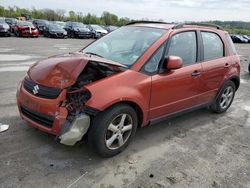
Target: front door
177,90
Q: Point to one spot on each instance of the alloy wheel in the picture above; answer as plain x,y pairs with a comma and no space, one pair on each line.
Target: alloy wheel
226,97
119,131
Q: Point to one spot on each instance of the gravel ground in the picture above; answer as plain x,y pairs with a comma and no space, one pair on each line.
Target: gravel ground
198,149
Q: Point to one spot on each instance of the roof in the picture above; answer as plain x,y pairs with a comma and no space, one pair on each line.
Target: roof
165,25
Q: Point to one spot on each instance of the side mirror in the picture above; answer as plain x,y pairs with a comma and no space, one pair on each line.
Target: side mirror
174,62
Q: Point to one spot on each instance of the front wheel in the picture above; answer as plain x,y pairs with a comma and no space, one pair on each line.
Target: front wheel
112,130
224,98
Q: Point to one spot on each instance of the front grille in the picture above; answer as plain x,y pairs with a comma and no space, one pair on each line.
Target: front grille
42,91
59,34
42,119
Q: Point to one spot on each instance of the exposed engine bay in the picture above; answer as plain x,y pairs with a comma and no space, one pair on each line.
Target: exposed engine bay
77,94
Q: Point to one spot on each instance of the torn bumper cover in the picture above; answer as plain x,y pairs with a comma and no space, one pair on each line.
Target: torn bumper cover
73,132
46,115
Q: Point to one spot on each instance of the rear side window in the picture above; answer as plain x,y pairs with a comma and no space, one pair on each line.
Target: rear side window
231,44
213,46
184,45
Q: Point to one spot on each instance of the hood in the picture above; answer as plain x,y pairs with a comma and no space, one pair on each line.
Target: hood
57,30
26,27
62,71
4,25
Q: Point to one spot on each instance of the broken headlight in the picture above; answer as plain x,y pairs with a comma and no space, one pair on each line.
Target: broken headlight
76,98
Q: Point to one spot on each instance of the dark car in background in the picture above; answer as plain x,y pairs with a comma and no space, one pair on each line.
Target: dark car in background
246,37
4,28
25,29
40,24
97,31
54,31
238,39
110,28
77,30
11,22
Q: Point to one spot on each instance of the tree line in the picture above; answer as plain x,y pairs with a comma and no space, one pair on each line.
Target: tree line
106,18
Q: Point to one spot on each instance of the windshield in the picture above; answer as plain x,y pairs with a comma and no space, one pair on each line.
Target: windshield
2,20
78,24
96,27
11,20
55,26
126,44
62,24
42,22
25,24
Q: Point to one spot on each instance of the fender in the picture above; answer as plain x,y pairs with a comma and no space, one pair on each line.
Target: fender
135,88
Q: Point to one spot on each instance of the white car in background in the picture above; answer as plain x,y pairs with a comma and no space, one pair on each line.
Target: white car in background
4,27
97,31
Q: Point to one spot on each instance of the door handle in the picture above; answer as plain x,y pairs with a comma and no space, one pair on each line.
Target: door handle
196,73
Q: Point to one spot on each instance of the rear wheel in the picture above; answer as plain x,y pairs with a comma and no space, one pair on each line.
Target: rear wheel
112,130
225,98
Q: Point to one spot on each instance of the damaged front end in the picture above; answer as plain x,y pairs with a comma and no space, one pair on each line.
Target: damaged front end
77,122
53,95
79,115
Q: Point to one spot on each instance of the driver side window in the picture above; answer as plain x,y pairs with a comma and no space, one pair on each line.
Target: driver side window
184,45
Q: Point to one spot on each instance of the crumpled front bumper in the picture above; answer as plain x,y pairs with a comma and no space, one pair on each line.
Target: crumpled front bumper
49,116
75,130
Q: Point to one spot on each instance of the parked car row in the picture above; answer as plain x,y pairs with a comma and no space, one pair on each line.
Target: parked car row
55,29
240,38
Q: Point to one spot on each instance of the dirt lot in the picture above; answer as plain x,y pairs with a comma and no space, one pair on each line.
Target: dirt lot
199,149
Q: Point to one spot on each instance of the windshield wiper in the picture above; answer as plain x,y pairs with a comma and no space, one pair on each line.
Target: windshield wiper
91,53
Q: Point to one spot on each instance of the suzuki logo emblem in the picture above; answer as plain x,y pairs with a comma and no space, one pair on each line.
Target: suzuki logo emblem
35,89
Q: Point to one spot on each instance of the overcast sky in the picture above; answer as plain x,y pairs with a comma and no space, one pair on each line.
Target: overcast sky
168,10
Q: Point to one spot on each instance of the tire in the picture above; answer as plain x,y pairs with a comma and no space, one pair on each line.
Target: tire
72,35
93,36
17,34
249,67
225,98
106,138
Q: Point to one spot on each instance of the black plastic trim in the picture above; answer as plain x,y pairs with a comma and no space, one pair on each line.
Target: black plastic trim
42,119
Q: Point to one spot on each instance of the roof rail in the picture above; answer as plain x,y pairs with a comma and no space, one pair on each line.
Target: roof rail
181,25
148,22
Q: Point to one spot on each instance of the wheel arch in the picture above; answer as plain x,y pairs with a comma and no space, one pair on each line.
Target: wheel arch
236,81
135,106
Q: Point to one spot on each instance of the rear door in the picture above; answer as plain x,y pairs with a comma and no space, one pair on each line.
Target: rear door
215,64
176,90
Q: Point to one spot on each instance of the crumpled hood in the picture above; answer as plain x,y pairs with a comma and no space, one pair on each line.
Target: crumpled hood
63,70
